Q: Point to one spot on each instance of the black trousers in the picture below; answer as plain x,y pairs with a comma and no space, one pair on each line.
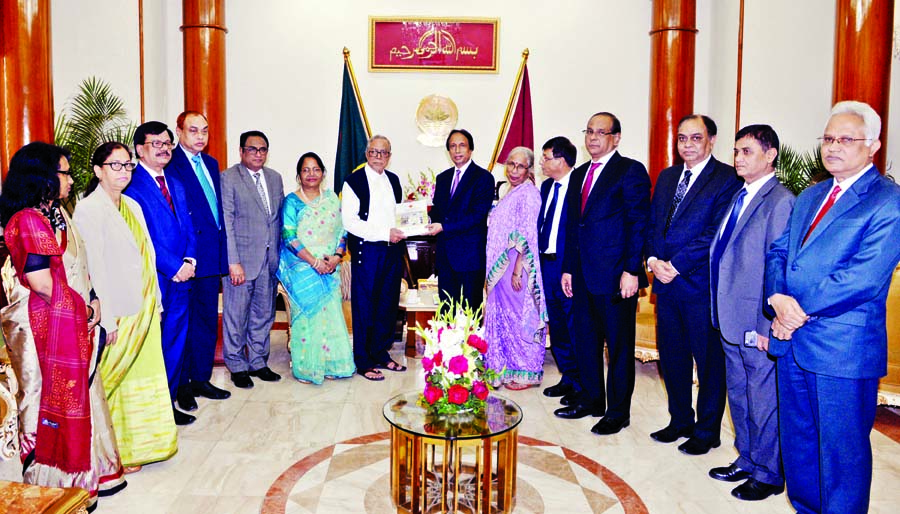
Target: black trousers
375,299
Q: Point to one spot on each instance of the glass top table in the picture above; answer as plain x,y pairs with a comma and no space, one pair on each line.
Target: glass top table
499,416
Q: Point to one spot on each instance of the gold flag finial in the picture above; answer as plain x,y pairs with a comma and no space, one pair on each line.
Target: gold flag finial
346,53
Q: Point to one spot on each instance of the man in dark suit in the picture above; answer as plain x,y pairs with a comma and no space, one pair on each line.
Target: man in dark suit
756,217
162,198
462,200
688,203
827,280
199,174
368,205
608,206
558,158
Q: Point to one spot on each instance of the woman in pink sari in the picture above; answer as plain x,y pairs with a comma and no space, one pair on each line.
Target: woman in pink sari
515,314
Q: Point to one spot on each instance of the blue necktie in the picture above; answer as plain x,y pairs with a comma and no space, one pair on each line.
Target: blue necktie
208,190
721,243
547,226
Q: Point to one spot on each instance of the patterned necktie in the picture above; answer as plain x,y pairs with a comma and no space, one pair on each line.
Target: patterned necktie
455,183
588,182
262,193
165,191
679,196
547,226
828,204
207,187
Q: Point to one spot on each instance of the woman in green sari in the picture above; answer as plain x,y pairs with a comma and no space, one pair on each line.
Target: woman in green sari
123,267
312,245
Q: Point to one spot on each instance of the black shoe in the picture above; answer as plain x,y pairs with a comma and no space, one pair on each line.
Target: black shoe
560,389
697,446
185,399
730,473
182,419
609,426
570,399
671,434
241,379
207,390
753,490
578,411
266,375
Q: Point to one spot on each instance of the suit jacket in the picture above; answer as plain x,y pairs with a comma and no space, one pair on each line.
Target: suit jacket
546,191
740,295
840,277
212,258
172,233
461,244
252,235
693,227
608,237
114,258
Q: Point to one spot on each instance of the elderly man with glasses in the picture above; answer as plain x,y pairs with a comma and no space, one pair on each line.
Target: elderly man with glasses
368,211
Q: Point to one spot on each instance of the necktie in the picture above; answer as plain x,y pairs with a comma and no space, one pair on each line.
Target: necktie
828,203
720,248
262,193
455,183
165,191
588,182
207,187
547,226
680,191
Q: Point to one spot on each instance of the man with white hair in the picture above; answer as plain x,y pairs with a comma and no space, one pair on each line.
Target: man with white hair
827,280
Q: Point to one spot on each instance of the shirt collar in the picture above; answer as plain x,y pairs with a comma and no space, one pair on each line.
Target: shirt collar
564,181
605,158
189,155
848,182
756,185
696,170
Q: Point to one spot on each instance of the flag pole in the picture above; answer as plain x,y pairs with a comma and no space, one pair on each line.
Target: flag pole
509,106
362,108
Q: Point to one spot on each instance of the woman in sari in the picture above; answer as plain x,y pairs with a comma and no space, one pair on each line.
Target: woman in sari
312,245
51,327
515,313
123,269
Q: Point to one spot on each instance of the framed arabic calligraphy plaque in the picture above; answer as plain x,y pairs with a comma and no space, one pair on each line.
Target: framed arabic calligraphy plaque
433,44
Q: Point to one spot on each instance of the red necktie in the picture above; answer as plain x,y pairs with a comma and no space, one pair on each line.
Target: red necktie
586,188
165,191
828,203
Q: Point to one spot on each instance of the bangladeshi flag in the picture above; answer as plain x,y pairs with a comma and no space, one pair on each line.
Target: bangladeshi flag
352,138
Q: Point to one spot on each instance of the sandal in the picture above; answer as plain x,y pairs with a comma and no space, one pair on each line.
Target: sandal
515,386
390,365
372,374
131,469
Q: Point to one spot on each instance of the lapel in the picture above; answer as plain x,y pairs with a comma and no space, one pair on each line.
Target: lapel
705,176
109,211
546,186
147,181
271,176
465,182
191,182
250,184
847,201
601,187
754,204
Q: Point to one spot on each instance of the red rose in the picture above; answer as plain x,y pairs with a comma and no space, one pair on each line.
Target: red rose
457,394
427,364
432,394
480,390
438,359
478,343
459,364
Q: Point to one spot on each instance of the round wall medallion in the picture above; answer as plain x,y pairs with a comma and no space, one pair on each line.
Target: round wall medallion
436,116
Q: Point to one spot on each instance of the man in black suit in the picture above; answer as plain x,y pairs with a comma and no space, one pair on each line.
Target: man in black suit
462,200
688,204
557,161
608,207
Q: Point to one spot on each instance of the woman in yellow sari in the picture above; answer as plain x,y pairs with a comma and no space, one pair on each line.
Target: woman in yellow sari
123,269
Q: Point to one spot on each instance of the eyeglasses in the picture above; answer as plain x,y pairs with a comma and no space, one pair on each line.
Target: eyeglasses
378,153
160,144
695,138
308,171
517,166
67,173
544,158
117,166
252,150
841,141
590,132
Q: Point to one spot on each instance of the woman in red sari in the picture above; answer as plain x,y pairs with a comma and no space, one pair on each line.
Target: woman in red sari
68,447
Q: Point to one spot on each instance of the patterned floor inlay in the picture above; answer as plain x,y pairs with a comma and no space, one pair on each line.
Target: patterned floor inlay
353,476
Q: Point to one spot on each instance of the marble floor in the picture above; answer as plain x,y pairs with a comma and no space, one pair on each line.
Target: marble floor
323,449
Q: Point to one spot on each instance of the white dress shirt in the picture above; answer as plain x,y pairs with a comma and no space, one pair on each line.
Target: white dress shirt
262,181
557,214
381,209
190,156
604,160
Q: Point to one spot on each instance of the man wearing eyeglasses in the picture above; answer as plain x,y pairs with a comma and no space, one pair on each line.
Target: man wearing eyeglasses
689,201
199,174
251,206
367,211
827,280
462,199
608,201
163,200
